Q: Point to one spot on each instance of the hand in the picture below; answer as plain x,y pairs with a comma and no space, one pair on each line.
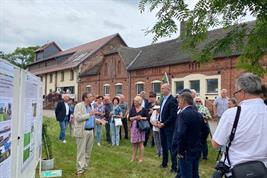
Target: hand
138,117
161,125
179,156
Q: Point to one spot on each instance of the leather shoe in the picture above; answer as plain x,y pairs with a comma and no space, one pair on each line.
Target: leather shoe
163,166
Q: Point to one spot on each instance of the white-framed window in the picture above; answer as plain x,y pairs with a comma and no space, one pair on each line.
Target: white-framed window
88,88
212,85
195,84
179,86
156,84
118,88
139,87
106,89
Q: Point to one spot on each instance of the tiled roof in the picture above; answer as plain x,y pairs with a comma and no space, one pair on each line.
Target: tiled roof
46,45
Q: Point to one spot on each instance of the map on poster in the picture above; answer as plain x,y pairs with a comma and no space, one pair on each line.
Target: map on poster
6,99
30,116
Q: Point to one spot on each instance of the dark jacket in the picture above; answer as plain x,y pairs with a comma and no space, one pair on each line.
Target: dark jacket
60,111
190,128
169,113
108,109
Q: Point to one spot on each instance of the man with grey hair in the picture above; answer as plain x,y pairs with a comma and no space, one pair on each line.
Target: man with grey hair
249,143
220,104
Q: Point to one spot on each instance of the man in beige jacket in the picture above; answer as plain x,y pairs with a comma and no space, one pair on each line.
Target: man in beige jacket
84,137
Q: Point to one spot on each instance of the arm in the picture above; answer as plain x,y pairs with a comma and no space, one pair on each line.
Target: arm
79,115
58,108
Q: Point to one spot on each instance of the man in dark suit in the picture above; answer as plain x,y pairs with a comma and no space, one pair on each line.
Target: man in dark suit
62,112
167,119
187,137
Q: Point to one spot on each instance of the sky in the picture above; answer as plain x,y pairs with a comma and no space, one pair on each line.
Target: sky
71,23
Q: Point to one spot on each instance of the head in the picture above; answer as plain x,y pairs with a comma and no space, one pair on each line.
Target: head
143,94
87,98
232,102
152,97
193,93
198,101
264,91
248,86
165,89
223,93
99,99
66,97
138,101
122,98
106,99
185,99
156,108
115,100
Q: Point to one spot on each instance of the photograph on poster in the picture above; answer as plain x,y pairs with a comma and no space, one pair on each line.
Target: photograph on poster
5,111
5,146
34,109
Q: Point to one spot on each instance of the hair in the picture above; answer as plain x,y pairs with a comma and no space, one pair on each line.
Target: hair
116,98
264,91
152,94
234,101
100,96
198,98
187,97
249,83
85,95
139,99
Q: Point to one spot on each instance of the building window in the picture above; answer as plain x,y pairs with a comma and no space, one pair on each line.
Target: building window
71,75
156,87
119,67
106,89
51,78
212,85
139,87
195,84
88,88
179,86
118,89
62,76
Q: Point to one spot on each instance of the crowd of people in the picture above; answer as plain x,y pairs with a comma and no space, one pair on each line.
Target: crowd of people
179,125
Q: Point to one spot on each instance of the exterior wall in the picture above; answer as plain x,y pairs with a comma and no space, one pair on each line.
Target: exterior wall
50,50
39,55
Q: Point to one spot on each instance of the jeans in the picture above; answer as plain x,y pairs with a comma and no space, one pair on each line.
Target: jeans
107,126
189,167
63,125
115,133
98,132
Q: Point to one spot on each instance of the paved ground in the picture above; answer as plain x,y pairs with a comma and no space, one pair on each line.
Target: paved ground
51,113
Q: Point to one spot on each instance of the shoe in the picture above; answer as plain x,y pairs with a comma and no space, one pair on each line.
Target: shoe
98,144
140,161
163,166
79,174
64,141
173,171
205,159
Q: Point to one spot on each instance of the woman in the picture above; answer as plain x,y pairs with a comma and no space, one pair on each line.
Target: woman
116,123
156,135
99,116
137,138
232,102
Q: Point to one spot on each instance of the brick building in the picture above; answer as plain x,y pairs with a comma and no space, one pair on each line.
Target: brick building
59,69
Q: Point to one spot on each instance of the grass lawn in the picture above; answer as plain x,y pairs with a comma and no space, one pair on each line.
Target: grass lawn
113,162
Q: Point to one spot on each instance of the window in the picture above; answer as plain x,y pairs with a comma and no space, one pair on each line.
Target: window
212,85
119,67
71,75
88,88
51,78
106,89
139,87
118,89
156,87
179,86
62,76
195,84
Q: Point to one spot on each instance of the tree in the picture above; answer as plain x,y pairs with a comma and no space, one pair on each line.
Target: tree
210,14
21,57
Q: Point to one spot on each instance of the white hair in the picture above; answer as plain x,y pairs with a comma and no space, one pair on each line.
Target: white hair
249,83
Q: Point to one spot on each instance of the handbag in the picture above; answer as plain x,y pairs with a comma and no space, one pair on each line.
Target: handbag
118,122
143,125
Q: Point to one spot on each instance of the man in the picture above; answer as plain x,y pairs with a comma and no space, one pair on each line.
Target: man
187,137
145,101
62,112
84,137
124,107
249,143
220,104
167,119
108,109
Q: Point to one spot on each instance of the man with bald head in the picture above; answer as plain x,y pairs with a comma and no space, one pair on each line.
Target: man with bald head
62,112
167,119
220,104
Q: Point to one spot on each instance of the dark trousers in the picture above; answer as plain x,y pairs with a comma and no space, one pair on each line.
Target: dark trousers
166,144
125,127
107,126
147,133
189,167
205,149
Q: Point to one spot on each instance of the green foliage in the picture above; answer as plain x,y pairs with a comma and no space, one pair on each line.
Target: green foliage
251,42
21,57
47,144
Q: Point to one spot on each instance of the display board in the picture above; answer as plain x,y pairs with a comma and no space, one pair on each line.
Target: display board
20,122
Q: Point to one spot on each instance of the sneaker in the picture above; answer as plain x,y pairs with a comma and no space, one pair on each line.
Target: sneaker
98,144
64,141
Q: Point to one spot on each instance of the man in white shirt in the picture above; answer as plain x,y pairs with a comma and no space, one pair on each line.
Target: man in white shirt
250,138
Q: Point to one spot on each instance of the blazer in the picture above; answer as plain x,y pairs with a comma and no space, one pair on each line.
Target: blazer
80,117
169,113
190,128
60,111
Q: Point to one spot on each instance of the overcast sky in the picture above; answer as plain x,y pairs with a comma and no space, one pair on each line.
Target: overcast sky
72,22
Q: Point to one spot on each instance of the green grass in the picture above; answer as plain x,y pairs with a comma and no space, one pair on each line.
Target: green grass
113,162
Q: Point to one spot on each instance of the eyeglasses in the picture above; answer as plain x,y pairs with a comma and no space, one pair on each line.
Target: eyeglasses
198,101
238,91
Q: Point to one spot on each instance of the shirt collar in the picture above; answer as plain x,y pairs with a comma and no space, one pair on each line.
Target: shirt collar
166,97
252,101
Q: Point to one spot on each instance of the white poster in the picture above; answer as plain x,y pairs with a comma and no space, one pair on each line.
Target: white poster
6,99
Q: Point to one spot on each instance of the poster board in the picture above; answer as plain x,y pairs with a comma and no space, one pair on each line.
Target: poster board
21,103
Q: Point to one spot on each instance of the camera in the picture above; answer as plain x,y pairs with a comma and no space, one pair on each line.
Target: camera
221,169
